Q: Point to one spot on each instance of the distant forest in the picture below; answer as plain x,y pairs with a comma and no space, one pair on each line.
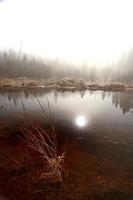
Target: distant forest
15,65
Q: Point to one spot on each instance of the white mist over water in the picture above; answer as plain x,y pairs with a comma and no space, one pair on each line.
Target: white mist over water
97,32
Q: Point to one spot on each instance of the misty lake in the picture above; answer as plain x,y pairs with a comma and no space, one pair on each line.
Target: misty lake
97,129
81,112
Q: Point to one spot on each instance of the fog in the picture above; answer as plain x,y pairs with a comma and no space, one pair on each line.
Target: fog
54,39
95,32
16,64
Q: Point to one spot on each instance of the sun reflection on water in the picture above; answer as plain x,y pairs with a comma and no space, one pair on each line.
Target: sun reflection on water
81,121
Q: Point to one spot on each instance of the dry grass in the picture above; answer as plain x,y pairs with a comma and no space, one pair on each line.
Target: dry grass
44,142
65,84
31,167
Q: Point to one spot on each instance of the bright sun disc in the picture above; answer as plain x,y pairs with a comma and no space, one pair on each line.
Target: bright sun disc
80,121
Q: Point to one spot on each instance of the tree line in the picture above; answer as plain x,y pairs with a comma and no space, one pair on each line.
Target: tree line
13,65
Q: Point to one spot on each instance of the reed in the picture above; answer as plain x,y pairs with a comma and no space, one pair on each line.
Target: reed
44,142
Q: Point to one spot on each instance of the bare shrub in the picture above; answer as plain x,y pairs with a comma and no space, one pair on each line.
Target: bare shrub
44,142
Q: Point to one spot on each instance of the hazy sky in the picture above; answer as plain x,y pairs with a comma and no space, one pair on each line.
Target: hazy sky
97,31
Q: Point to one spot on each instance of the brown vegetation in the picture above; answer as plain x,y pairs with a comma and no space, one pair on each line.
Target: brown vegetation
65,84
102,171
30,168
44,142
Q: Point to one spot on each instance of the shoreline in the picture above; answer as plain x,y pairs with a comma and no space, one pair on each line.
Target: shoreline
66,84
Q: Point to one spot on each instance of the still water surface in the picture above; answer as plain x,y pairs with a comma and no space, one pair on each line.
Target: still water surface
101,125
80,112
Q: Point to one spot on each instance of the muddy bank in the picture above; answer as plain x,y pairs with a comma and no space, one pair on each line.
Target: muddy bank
65,84
22,173
101,171
95,167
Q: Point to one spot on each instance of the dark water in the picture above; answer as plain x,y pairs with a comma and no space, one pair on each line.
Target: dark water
100,157
82,112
